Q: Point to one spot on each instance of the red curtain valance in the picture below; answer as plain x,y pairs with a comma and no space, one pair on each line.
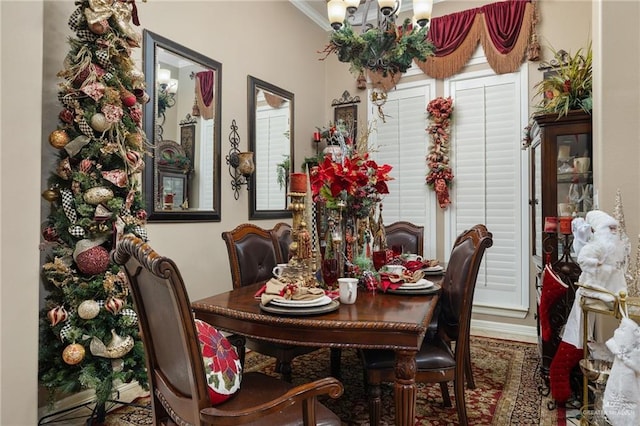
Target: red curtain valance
204,93
503,29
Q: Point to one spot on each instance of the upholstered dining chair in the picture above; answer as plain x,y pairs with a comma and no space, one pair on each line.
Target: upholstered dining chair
282,238
407,235
435,361
252,257
180,393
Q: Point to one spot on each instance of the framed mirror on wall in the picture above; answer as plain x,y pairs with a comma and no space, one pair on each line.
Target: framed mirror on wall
183,125
271,138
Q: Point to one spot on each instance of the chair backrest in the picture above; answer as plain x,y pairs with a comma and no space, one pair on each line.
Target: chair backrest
252,254
174,363
282,238
407,235
459,281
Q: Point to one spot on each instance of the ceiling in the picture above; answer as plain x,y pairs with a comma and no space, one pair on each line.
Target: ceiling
316,10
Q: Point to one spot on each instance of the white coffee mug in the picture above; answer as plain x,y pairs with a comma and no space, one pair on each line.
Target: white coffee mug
394,269
582,164
278,270
348,290
413,257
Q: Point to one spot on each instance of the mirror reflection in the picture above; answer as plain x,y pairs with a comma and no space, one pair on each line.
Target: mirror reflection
182,122
271,112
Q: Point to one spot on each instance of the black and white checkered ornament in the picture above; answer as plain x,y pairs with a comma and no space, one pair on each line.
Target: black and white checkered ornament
77,231
76,18
67,205
141,232
66,330
85,127
102,56
130,316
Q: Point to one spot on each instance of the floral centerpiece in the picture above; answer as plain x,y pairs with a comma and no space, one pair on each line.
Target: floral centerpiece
440,175
350,186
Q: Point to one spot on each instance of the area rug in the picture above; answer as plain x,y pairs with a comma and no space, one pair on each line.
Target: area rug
505,372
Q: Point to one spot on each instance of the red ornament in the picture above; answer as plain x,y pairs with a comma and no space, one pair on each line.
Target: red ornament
56,315
128,99
93,261
114,305
50,234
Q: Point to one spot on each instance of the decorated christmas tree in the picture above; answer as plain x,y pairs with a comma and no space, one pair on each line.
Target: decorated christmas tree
88,329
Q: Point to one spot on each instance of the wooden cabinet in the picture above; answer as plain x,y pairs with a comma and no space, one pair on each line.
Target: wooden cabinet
560,152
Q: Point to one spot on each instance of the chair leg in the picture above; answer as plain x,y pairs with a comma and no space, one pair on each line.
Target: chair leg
468,372
336,356
444,389
375,403
285,370
461,407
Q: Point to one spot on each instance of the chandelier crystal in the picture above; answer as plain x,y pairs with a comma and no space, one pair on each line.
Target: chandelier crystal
386,48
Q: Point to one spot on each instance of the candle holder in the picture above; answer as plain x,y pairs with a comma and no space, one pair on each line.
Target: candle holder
241,164
302,262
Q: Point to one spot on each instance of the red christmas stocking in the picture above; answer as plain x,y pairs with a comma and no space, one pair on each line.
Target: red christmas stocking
552,290
566,357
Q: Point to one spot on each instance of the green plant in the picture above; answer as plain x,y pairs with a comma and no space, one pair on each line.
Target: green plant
283,170
569,85
389,51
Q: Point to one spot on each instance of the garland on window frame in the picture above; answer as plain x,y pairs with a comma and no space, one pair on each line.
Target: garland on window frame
440,176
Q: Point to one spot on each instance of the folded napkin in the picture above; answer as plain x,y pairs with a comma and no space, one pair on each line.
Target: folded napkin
277,290
393,281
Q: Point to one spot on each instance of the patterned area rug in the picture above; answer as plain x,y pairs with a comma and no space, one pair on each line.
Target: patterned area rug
506,389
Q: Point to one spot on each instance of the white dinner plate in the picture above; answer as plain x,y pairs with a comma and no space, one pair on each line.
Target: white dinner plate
437,268
418,285
288,303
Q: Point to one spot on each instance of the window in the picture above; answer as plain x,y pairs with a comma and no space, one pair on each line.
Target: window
402,142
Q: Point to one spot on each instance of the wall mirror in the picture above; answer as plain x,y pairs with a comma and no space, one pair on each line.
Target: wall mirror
182,123
270,118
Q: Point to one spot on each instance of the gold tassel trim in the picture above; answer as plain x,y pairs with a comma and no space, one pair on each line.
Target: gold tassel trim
510,62
446,66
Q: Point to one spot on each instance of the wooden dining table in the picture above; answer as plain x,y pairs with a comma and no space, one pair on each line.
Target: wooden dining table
375,321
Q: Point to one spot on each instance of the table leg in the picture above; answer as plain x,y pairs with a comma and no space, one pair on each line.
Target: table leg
405,390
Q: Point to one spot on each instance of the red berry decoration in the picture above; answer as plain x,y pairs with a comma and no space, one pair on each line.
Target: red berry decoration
93,261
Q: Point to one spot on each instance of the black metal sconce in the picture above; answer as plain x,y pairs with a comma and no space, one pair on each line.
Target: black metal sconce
241,165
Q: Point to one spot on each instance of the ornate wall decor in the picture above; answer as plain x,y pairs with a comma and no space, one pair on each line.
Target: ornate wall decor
440,175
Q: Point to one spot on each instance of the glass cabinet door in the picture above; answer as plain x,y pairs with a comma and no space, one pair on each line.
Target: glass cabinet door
575,179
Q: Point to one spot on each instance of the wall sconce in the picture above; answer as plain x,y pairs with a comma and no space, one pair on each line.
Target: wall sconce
167,89
241,165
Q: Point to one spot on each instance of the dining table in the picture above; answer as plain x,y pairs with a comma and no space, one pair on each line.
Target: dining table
377,320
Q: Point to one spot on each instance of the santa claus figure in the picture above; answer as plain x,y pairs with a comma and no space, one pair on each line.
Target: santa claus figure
601,252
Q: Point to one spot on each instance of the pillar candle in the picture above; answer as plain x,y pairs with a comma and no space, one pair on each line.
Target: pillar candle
298,182
565,225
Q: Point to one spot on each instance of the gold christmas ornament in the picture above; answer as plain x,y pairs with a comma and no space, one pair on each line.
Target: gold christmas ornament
134,140
98,195
89,309
51,195
59,138
99,122
73,354
117,348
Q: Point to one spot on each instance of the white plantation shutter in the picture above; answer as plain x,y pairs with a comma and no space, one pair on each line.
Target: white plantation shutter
205,191
490,184
402,142
271,125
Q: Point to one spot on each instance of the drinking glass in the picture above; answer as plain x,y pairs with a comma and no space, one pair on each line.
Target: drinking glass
379,259
330,272
397,249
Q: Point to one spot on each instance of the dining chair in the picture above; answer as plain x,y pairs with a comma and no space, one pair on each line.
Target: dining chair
435,361
252,257
282,238
180,392
407,235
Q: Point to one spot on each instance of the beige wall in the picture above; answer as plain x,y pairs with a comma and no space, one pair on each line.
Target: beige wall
281,50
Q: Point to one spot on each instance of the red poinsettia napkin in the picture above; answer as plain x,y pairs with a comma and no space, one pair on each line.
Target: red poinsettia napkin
393,281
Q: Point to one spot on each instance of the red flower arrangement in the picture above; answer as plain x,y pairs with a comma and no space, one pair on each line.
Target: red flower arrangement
440,175
357,180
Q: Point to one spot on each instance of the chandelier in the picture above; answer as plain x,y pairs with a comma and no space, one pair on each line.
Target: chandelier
385,48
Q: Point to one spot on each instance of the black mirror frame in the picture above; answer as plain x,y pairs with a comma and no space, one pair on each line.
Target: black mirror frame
151,41
252,84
